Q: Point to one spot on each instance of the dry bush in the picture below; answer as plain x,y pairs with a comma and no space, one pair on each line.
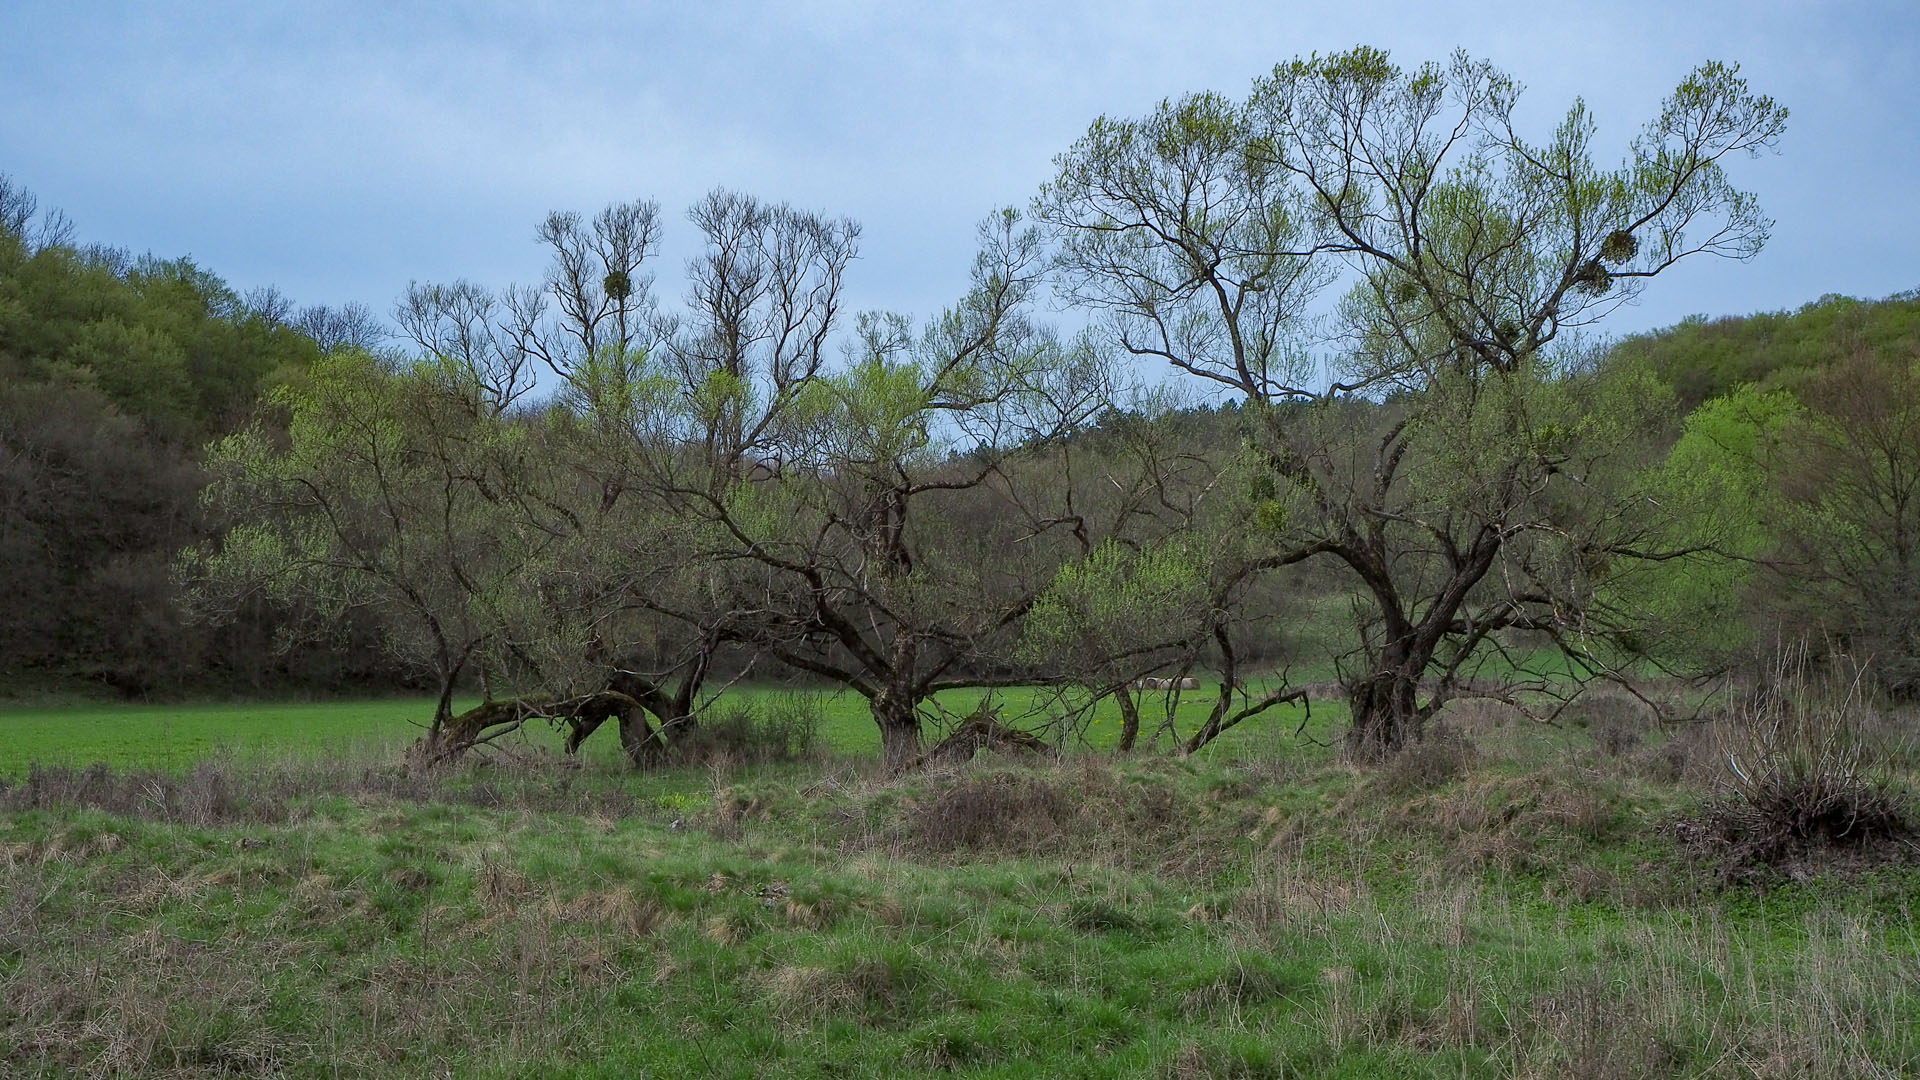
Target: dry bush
1439,759
1686,756
227,791
1513,823
205,796
1085,808
994,812
1803,773
784,727
1616,722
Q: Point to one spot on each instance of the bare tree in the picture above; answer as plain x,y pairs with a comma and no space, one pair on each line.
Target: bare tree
685,406
462,328
593,319
268,304
352,325
19,209
1848,517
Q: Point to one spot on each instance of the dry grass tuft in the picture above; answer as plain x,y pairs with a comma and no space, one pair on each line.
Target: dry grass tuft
1204,1061
730,928
806,993
1088,808
1440,758
1807,774
619,912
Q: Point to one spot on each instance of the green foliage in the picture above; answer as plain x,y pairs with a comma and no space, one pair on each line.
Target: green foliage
402,494
1714,491
1116,599
167,342
1848,565
1446,459
113,371
881,406
1706,358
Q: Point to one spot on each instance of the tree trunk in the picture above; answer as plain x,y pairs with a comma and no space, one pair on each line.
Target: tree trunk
453,735
899,729
1386,713
637,739
642,745
1129,719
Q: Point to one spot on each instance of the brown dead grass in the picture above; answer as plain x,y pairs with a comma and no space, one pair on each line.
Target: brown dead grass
1089,808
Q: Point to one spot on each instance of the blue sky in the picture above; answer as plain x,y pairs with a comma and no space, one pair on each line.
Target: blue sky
339,150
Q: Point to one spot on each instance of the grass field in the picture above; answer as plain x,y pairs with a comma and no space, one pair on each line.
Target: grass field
1505,901
177,736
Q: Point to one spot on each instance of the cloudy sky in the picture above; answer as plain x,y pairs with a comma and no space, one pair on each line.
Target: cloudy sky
339,150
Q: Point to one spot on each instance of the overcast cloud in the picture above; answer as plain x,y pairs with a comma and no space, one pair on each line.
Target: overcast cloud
340,150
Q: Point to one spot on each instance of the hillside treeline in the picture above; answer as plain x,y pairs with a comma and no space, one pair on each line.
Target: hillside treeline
115,373
1704,358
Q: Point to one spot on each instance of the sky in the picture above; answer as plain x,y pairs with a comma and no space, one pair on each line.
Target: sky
339,151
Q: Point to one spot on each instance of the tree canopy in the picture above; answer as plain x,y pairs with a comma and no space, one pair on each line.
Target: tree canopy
1465,505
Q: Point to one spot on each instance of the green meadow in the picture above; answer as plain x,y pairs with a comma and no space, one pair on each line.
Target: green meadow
178,736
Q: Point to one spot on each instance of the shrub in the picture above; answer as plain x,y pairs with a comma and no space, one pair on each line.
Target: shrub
1686,755
1090,810
1615,722
784,728
1438,759
1001,811
1801,772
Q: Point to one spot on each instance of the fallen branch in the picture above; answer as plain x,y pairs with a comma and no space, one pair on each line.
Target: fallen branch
980,731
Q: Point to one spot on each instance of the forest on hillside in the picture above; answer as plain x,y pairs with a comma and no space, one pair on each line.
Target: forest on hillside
593,498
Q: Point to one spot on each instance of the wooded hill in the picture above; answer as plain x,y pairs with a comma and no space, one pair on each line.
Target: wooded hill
1704,358
116,371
